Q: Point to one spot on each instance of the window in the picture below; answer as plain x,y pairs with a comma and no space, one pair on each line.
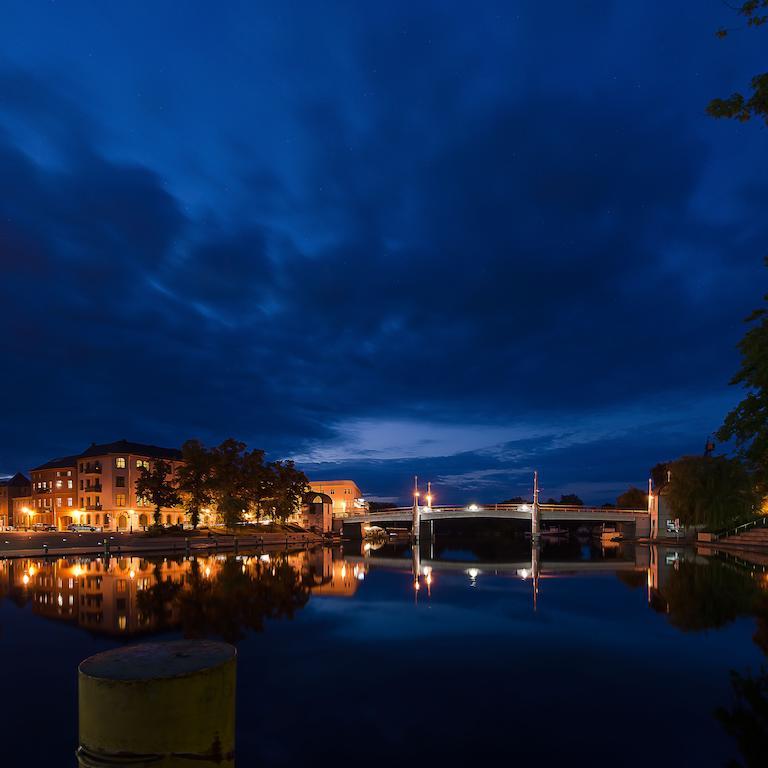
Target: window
59,501
142,463
69,501
69,484
120,481
82,501
120,500
120,462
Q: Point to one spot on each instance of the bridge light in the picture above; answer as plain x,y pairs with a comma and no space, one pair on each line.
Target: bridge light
523,573
473,507
525,508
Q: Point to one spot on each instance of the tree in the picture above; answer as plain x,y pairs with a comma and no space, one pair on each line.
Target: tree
258,481
196,479
572,499
737,106
710,490
633,498
229,485
747,423
289,485
157,486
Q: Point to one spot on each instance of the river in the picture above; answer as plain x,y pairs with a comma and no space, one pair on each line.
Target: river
463,652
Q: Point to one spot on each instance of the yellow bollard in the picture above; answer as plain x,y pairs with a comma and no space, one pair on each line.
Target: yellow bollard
158,704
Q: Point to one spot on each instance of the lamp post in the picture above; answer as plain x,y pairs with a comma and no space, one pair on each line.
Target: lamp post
416,521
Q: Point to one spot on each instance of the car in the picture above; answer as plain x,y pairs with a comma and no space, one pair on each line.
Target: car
75,528
43,527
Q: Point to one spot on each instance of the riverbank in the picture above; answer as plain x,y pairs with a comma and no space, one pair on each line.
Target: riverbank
117,543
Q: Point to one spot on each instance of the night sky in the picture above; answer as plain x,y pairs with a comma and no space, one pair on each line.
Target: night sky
463,240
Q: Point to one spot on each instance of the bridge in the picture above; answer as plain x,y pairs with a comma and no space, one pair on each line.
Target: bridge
639,518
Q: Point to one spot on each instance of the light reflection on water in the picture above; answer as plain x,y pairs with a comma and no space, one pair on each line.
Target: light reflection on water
573,631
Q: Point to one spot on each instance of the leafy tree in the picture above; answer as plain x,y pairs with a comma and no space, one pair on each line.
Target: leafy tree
289,485
258,481
737,106
747,721
157,486
633,498
710,490
196,479
747,423
571,499
514,500
229,485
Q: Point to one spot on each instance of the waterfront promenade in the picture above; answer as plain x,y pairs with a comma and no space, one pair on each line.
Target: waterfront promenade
26,544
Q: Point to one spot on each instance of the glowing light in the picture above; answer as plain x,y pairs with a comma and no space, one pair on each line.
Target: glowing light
525,508
77,571
523,573
25,579
264,558
473,507
132,574
32,570
416,585
343,571
207,571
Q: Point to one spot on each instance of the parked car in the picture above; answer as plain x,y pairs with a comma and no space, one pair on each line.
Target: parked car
43,527
75,528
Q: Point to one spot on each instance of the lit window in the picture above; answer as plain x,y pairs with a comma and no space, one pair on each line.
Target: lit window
120,500
69,484
120,462
142,463
58,501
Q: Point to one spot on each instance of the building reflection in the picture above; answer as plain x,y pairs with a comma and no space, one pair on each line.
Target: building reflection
130,596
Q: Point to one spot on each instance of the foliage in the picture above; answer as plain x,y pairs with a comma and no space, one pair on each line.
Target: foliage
737,106
195,479
709,490
229,481
571,499
747,423
288,486
158,487
632,498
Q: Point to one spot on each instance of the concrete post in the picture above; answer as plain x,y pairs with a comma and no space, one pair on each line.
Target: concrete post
170,704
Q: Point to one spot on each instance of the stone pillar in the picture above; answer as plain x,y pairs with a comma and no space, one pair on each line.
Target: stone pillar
165,704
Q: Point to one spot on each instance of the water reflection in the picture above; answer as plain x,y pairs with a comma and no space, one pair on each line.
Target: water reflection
215,595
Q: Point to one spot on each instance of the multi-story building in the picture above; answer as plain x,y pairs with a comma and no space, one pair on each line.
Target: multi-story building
346,496
54,494
11,488
96,487
107,475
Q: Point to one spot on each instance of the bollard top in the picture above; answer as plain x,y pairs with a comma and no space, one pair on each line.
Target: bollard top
153,661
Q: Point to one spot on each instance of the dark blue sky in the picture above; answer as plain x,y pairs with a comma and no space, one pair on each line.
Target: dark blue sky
459,240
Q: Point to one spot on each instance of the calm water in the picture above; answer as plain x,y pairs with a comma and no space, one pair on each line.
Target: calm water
618,657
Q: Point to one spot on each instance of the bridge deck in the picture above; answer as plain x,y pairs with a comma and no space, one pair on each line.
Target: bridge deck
551,512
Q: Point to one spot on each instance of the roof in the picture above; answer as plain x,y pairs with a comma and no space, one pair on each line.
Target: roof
313,497
138,449
62,461
18,480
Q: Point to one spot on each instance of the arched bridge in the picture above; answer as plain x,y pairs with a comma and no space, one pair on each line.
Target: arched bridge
552,512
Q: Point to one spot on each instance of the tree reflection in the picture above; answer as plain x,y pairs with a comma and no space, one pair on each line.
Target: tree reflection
225,598
747,721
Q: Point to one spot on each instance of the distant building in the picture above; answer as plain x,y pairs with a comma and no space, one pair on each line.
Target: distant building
11,488
346,496
316,513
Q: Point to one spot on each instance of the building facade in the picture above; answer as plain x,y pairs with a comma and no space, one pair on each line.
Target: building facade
96,487
11,488
106,482
54,493
345,494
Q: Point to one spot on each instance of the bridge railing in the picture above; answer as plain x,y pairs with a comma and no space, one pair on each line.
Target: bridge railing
480,508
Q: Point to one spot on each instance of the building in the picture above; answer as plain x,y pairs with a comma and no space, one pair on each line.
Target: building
54,492
316,513
96,487
346,496
106,476
11,488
